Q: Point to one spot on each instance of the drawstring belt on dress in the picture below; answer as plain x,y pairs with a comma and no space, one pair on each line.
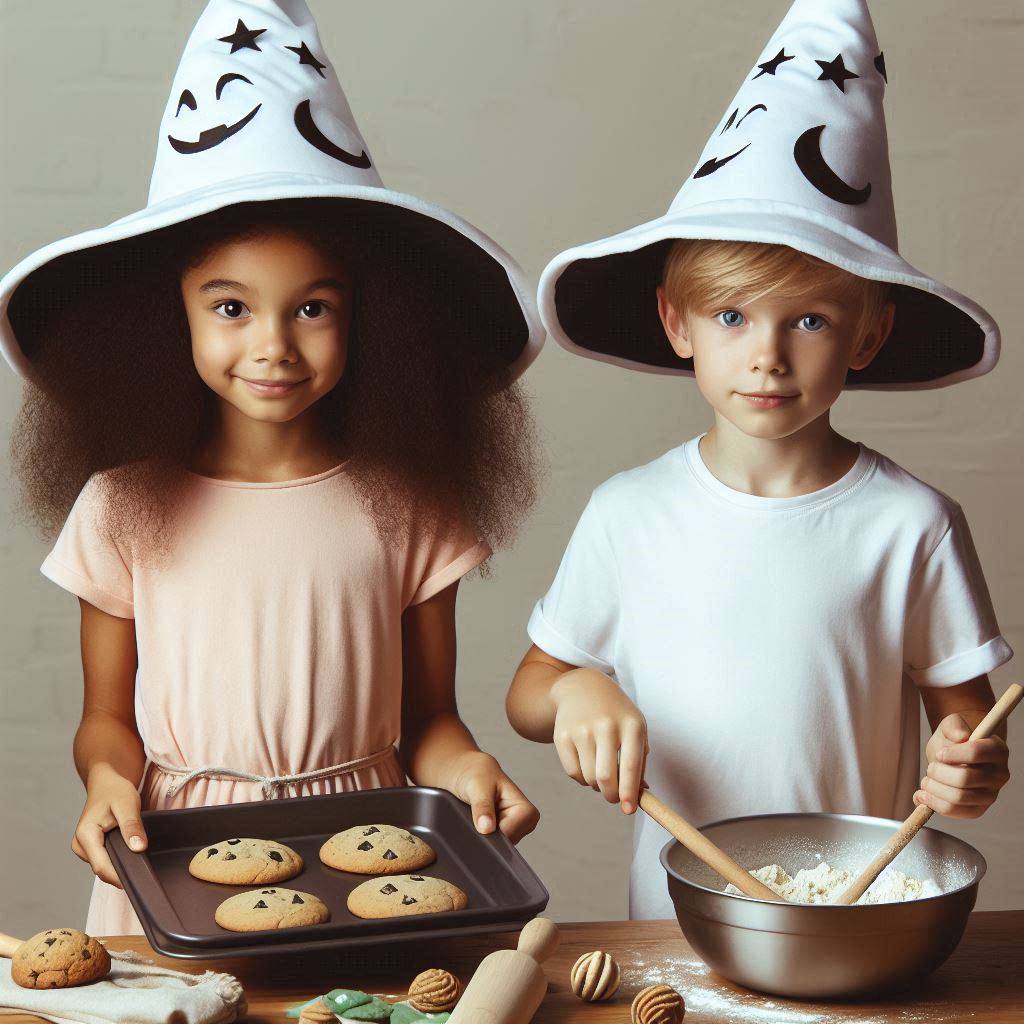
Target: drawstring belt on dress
271,784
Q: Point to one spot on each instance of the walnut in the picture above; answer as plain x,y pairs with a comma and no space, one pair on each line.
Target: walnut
594,977
658,1004
434,991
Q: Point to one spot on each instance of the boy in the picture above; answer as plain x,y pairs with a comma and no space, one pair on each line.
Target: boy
764,604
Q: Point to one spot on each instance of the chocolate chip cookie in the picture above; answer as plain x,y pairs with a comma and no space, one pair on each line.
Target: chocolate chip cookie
376,850
246,862
59,958
264,909
404,896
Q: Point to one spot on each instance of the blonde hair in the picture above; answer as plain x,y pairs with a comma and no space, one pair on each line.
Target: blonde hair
701,275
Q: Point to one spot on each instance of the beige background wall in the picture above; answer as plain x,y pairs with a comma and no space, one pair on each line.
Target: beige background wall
546,122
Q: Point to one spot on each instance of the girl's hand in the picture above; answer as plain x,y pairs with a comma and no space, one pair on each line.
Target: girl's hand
600,736
111,802
964,776
493,796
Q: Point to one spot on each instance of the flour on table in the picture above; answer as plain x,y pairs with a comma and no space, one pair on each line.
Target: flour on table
709,998
824,884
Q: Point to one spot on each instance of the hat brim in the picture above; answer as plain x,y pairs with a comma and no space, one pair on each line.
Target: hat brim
598,300
490,269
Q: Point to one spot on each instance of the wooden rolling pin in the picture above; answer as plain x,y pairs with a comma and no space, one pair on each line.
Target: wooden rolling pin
700,846
510,984
1009,700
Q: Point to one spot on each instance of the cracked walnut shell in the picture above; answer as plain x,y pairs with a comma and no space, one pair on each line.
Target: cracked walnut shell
594,977
658,1004
434,991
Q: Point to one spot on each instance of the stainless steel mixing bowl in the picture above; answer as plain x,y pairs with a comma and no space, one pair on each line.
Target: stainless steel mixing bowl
822,951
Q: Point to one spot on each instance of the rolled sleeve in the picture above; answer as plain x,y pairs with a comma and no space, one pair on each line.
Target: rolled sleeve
952,634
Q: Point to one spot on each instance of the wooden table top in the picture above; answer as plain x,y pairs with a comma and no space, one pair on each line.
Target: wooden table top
983,981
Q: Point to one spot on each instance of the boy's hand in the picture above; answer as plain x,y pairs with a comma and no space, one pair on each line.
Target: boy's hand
479,781
964,776
600,736
111,802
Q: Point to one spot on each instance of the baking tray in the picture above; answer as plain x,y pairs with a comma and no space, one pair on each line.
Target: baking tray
176,910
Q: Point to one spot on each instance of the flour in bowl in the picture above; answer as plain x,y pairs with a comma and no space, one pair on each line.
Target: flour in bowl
824,884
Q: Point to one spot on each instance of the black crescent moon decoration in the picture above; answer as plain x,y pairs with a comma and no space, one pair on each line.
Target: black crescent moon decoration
243,38
880,66
807,153
316,138
712,165
769,67
306,57
212,136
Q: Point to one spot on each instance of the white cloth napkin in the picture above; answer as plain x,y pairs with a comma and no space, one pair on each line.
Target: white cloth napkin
135,992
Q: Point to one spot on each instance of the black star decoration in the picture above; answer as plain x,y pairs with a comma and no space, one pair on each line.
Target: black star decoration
769,67
243,38
306,57
880,66
834,71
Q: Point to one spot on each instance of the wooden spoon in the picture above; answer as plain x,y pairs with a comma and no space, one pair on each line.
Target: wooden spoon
700,846
56,958
1009,700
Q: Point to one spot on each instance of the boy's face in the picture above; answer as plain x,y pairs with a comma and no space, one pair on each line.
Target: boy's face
772,366
269,319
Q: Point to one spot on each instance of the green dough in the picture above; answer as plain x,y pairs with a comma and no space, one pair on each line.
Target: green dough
341,1000
405,1014
375,1010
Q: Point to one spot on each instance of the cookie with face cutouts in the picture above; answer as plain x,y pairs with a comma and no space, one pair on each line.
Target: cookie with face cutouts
59,958
246,862
264,909
376,850
404,896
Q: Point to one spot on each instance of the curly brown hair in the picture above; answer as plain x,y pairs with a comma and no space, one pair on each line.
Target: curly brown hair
425,410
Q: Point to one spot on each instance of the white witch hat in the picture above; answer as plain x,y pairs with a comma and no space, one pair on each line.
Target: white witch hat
800,158
256,113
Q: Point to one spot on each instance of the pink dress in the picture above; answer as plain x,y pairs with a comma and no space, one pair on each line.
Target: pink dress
269,639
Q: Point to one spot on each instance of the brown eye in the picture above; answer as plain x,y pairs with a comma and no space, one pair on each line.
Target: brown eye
313,310
232,309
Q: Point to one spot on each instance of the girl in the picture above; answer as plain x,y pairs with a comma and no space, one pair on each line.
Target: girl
280,406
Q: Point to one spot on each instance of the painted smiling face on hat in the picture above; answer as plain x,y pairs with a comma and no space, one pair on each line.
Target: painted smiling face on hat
256,113
255,94
807,125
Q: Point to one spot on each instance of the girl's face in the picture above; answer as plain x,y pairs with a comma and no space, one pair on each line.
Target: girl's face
772,366
269,318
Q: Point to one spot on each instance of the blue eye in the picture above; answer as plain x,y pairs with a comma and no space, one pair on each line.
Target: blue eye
730,318
231,310
812,323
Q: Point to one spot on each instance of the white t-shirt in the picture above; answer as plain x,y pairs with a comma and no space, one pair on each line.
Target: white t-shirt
773,644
